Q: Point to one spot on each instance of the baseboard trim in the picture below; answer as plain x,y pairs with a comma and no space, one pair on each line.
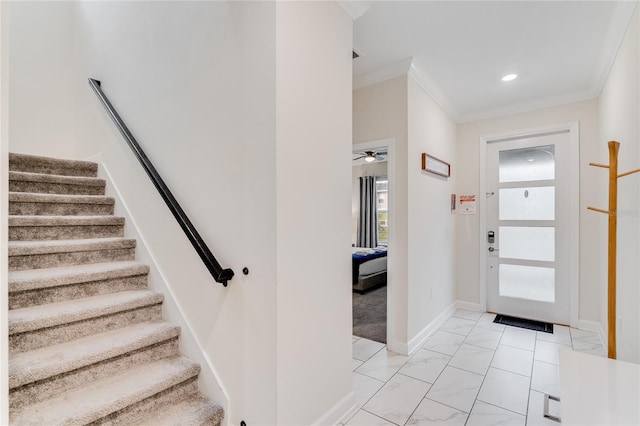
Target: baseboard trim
209,381
420,339
461,304
416,343
597,327
398,347
341,411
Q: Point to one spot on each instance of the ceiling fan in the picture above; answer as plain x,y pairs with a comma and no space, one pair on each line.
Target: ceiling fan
370,156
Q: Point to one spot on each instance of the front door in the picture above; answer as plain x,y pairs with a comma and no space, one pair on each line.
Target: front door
528,225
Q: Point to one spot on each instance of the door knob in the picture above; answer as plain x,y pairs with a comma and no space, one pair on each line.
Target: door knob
491,249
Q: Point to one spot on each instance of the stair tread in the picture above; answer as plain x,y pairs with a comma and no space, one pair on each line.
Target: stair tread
17,160
193,411
36,197
32,279
28,220
49,361
43,316
55,376
21,248
103,397
50,178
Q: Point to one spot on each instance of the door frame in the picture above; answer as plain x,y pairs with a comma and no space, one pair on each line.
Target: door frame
392,298
574,202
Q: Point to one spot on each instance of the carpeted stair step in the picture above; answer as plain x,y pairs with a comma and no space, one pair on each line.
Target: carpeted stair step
55,166
34,287
195,410
48,371
87,343
125,394
53,323
29,228
50,254
55,184
29,203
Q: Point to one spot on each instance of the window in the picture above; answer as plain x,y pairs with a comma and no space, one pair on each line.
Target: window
382,209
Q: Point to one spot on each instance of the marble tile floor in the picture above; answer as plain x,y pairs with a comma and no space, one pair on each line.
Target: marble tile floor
470,372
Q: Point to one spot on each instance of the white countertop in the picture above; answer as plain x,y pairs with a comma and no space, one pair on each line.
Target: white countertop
598,391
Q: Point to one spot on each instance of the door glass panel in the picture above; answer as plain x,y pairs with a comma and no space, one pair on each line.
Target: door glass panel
528,243
527,164
537,203
527,282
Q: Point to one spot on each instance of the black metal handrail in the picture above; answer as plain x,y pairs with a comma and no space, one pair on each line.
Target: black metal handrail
219,274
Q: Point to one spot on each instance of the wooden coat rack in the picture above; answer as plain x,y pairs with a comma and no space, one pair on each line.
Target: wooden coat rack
612,212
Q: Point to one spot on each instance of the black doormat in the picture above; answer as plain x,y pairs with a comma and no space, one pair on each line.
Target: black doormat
524,323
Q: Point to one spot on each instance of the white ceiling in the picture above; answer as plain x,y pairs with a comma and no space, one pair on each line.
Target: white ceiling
459,50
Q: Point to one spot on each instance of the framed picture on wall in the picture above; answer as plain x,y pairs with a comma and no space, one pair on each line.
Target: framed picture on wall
436,166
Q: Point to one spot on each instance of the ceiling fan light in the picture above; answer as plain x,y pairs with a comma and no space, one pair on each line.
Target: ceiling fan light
369,158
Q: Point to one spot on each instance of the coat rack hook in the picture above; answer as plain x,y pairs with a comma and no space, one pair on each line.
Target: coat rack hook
629,173
599,210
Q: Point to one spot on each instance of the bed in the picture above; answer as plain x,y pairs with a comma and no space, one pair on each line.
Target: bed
369,268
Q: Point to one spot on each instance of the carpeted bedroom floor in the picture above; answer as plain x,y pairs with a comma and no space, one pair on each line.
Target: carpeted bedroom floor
370,314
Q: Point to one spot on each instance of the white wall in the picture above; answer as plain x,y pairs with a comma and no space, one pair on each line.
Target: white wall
593,189
178,74
380,112
431,224
4,207
42,121
421,248
378,168
619,121
313,113
197,82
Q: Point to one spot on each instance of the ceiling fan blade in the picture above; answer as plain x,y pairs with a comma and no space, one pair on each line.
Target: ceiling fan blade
359,158
379,157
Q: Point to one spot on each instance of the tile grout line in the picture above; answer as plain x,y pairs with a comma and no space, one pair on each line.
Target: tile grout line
436,379
380,417
484,377
384,383
448,365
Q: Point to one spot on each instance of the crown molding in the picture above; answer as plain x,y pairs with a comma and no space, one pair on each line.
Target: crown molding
622,16
528,106
408,67
386,73
432,89
355,9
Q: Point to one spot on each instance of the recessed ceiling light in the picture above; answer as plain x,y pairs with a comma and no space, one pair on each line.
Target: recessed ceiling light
509,77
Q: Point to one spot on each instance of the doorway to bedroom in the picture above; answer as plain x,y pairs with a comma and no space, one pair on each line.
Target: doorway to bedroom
370,237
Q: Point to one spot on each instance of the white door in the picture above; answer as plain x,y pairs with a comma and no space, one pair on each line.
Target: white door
528,227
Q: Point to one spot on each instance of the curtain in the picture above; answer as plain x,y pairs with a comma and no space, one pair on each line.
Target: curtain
368,220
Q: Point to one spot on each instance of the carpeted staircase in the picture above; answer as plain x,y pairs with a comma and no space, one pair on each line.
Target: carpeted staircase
86,337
